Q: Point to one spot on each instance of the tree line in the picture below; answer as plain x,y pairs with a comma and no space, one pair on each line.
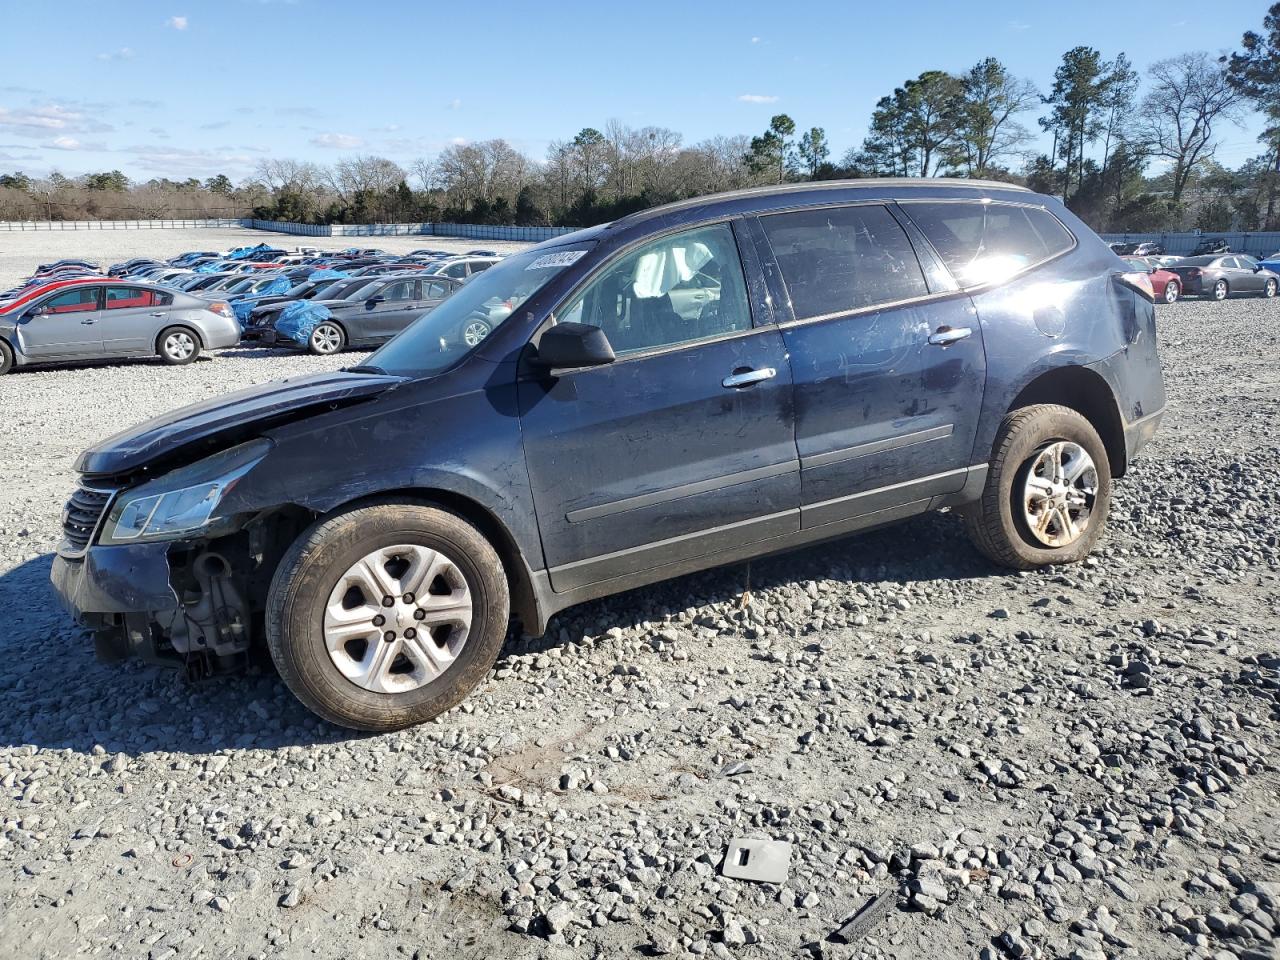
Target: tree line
1127,153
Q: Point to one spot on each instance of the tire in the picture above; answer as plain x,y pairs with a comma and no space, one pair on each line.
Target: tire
353,682
1268,291
1220,290
998,523
178,346
327,338
6,358
1172,291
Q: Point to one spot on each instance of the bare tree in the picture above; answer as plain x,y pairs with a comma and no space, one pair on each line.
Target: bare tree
1189,94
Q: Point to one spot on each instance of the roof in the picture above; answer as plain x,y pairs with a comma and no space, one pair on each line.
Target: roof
813,186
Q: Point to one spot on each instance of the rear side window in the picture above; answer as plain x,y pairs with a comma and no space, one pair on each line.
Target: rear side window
988,242
126,298
839,259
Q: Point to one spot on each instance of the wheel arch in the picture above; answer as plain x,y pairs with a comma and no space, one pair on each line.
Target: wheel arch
524,605
1087,393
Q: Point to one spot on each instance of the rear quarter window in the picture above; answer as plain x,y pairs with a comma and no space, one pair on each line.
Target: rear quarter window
988,242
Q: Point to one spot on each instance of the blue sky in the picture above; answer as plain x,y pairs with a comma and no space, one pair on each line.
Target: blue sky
180,88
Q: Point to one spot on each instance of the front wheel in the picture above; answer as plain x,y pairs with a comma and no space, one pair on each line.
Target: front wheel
1171,292
177,346
1269,290
6,358
326,338
1220,290
1047,493
386,616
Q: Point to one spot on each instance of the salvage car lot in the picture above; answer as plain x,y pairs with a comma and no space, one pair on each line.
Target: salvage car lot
1074,759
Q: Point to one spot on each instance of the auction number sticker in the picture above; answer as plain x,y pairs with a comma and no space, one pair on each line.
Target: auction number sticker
563,259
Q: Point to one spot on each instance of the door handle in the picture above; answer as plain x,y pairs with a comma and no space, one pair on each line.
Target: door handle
87,322
747,377
159,314
945,335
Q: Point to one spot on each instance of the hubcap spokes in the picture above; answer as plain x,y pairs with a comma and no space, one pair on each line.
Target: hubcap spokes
398,618
326,339
1059,493
179,346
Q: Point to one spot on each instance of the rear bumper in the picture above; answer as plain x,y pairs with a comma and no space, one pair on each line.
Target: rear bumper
1138,433
219,332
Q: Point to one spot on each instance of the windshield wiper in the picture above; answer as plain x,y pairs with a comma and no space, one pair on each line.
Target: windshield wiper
365,368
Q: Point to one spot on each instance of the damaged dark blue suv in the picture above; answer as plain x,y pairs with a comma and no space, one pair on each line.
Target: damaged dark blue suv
692,385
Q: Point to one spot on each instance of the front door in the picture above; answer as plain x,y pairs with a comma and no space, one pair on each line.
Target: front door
682,447
397,310
65,326
888,364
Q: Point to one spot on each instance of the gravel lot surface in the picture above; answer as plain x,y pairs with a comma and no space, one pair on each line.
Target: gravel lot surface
21,253
1077,763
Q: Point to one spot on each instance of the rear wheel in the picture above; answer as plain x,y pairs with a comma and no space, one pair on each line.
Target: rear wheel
388,615
6,358
1220,290
1269,290
1047,493
326,338
178,346
1171,292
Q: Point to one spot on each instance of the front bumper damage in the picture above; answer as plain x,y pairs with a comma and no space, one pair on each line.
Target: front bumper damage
176,604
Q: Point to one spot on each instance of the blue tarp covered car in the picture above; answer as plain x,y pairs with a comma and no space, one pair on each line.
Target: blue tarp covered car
299,320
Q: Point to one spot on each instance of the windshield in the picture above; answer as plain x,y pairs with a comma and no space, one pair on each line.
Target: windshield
238,286
1196,261
439,339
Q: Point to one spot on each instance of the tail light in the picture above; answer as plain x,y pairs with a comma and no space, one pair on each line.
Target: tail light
1139,283
222,309
1191,271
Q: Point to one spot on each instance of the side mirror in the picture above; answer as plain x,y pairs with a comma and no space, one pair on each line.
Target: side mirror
568,346
374,301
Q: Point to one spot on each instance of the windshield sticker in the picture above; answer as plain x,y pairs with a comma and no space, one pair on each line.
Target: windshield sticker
563,259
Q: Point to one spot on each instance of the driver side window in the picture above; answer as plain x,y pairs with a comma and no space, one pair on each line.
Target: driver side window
677,289
79,300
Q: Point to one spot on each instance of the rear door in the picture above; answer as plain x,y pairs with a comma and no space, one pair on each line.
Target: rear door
132,318
683,447
66,326
887,359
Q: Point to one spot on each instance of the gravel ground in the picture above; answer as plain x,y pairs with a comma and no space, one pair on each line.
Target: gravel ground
1076,763
22,252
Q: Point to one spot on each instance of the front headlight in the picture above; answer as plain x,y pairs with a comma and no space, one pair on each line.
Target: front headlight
183,501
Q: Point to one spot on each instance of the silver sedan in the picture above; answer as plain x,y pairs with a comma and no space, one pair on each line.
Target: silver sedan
90,319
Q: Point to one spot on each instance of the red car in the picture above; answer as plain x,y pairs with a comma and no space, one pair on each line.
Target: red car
1165,283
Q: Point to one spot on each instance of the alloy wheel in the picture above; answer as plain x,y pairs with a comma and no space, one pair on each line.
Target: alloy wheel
1220,290
326,338
1170,292
179,345
1058,493
1269,290
474,332
398,618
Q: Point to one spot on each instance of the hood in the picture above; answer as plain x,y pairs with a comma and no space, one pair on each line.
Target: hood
212,424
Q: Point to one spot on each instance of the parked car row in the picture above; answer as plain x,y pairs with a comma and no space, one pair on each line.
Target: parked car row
1150,248
176,308
1213,276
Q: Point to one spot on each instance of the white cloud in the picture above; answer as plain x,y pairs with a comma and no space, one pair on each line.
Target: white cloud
757,98
124,53
755,39
178,23
459,141
39,121
337,141
65,143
